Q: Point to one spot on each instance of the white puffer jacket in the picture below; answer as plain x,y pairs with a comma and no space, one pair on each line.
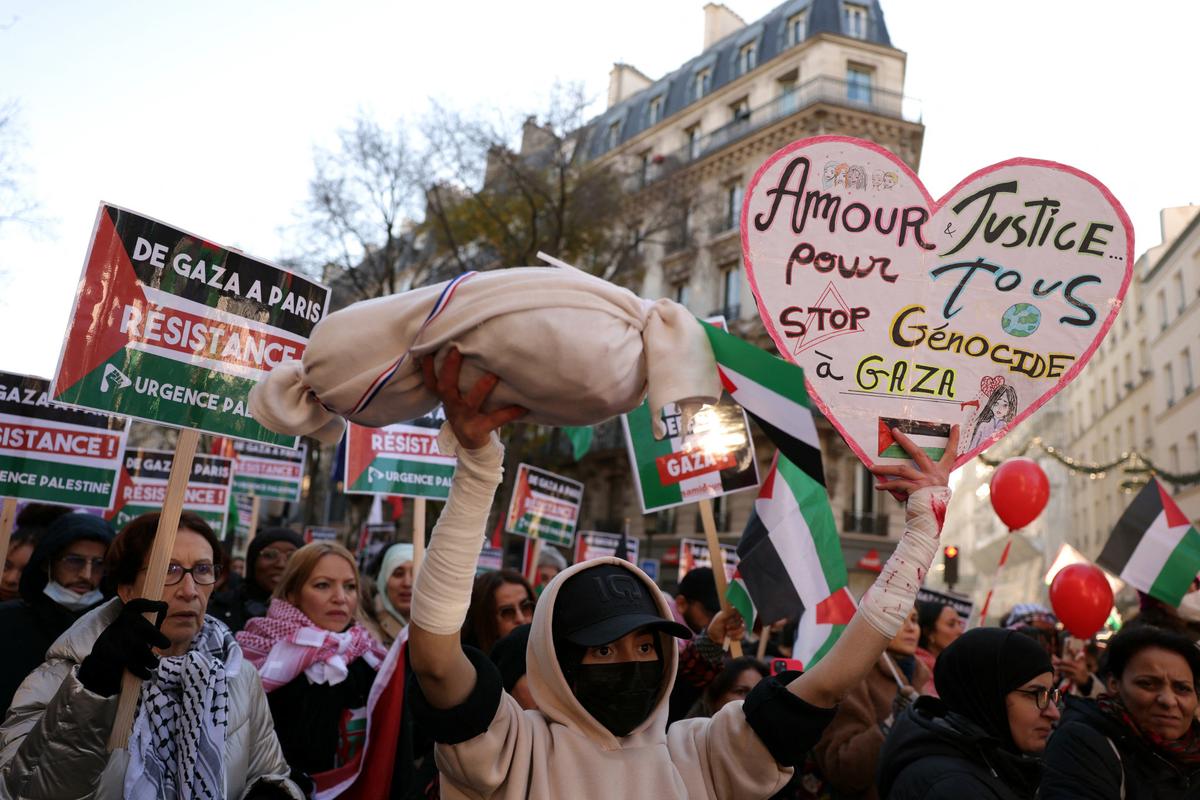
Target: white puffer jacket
53,744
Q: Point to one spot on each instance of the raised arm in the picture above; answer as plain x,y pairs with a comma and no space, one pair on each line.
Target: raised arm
887,603
443,587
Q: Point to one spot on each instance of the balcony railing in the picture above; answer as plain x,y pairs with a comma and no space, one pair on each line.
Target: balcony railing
857,522
818,90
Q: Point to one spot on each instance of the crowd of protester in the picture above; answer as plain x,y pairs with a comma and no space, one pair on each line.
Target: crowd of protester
262,684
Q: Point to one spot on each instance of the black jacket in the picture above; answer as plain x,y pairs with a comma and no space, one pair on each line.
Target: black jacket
239,603
29,625
933,754
309,716
1081,763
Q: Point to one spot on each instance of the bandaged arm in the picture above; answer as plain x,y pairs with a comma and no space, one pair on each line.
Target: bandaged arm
884,608
443,588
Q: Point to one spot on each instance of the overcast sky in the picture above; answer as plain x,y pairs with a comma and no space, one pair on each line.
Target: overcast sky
205,115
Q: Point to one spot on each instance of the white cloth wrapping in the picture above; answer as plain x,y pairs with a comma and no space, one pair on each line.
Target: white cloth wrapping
568,346
443,589
890,599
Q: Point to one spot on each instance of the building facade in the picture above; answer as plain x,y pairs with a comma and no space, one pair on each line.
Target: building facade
690,141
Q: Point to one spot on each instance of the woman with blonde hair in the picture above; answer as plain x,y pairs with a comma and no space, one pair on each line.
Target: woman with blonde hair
316,660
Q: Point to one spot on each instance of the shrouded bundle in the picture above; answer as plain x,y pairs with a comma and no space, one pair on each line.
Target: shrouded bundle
570,347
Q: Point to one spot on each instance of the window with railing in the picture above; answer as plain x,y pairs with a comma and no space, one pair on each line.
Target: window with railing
1178,284
739,110
1185,368
858,84
854,20
797,28
1169,372
693,141
1163,317
747,58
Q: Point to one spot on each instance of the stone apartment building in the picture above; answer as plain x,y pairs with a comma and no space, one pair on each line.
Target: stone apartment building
692,139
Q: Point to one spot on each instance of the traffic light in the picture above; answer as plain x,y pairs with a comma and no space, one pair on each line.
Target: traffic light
950,560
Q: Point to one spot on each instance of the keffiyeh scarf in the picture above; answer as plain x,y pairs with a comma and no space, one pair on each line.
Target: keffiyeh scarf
1183,752
286,642
177,749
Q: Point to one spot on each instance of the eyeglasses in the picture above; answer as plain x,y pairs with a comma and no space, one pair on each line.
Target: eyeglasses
271,555
509,613
77,564
1043,697
204,573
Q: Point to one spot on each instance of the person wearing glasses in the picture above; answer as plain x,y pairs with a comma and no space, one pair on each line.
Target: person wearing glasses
984,737
60,583
501,601
203,728
266,559
1140,739
317,661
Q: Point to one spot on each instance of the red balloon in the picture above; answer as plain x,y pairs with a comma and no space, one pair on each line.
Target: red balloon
1019,492
1082,598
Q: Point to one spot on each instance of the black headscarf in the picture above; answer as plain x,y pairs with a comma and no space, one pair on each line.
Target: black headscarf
978,670
508,655
260,543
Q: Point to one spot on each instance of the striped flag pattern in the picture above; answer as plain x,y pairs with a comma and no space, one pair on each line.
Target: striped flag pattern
1154,547
773,393
820,627
739,597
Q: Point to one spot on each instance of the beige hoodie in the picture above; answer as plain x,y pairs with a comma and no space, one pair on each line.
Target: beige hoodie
560,751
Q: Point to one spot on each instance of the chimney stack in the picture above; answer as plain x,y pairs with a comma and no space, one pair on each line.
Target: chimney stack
625,81
719,22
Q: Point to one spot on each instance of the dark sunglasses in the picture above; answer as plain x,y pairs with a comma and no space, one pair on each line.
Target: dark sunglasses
509,613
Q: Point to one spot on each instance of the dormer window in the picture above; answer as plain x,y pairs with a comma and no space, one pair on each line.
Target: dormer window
614,135
702,83
854,20
747,58
654,114
797,29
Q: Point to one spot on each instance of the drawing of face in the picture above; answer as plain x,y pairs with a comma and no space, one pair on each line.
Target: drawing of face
857,178
1002,406
829,173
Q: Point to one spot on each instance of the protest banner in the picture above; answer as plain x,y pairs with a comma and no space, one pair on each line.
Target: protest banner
544,506
650,567
320,533
51,454
694,553
268,471
491,559
861,278
598,544
171,328
243,520
961,603
143,487
373,540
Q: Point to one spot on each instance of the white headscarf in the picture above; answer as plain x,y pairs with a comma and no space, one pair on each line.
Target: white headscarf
396,555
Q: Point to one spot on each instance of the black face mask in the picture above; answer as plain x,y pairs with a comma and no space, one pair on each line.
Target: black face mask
619,696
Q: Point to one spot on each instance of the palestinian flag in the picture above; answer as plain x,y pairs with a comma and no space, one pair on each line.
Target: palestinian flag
929,436
820,627
773,393
1154,547
580,439
739,597
791,557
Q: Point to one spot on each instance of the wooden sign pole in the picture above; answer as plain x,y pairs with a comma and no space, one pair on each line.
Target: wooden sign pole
8,518
763,637
156,572
717,557
418,534
533,560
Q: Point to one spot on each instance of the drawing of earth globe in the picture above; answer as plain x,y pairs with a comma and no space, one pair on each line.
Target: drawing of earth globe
1021,319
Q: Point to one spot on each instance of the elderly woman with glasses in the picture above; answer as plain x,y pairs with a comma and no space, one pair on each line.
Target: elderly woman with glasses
984,737
203,728
1140,739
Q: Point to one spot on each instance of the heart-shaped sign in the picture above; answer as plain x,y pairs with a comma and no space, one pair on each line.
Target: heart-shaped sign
916,314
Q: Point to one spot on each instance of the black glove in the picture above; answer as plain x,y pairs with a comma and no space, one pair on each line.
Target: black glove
125,645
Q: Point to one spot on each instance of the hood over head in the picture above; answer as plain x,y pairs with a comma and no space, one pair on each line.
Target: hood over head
976,672
260,543
63,532
927,730
547,682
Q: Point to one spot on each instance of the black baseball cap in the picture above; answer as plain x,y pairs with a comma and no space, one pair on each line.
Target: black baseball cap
700,585
600,605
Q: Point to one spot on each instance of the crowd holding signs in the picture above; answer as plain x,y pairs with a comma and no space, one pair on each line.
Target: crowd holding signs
861,279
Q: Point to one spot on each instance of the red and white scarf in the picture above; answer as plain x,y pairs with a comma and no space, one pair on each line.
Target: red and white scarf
285,643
